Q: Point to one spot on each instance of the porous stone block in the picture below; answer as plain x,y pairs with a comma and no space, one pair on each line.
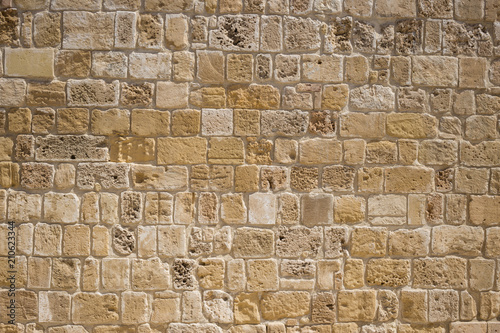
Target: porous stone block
29,63
88,31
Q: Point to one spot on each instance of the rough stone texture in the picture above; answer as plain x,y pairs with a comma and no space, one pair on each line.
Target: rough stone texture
250,166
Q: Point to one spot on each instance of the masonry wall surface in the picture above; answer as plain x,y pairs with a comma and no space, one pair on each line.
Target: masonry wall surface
250,166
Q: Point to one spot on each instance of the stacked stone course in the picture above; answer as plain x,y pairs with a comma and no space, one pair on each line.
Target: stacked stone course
251,166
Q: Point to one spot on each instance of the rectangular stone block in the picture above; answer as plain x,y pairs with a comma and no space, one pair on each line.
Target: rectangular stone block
435,71
88,31
30,63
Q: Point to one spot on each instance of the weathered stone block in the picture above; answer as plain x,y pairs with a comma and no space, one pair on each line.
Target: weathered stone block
359,305
29,63
388,272
88,31
298,242
435,71
447,272
94,308
285,304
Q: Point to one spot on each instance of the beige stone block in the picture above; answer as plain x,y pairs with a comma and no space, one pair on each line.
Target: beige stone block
46,93
65,274
246,122
61,207
480,128
172,241
486,153
12,92
461,327
317,209
76,240
6,145
135,308
324,68
55,307
125,23
492,239
150,274
354,273
110,122
409,180
182,150
370,180
381,152
90,275
359,305
146,241
414,305
484,210
236,277
253,243
166,307
372,98
349,209
354,151
183,66
368,242
472,71
30,63
240,67
90,92
356,69
211,66
246,308
176,31
218,306
335,97
109,65
443,305
29,301
388,272
471,180
411,125
170,95
95,308
186,122
438,152
90,208
43,121
253,96
72,121
23,207
409,243
447,272
132,149
435,71
226,151
489,305
115,274
481,274
47,239
100,241
192,307
320,151
149,65
72,63
217,122
39,270
262,208
19,120
285,304
86,30
159,178
402,8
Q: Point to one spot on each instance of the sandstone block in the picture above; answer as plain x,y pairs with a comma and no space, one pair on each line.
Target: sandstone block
132,149
240,68
285,304
236,32
349,209
262,208
298,242
409,180
107,175
363,125
149,65
135,307
61,207
182,150
324,68
409,243
262,275
372,98
211,66
24,207
471,180
368,242
65,274
12,92
411,125
317,209
435,71
54,307
216,122
483,154
359,305
171,95
437,152
388,272
253,242
484,210
403,8
76,240
31,63
311,153
226,151
472,73
482,273
92,93
447,272
253,96
414,305
94,308
88,31
304,179
443,305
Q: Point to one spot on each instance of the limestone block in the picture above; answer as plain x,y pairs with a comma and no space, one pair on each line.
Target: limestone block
29,63
217,122
409,243
150,274
37,175
253,243
447,272
65,274
409,180
311,153
240,67
365,125
262,275
54,307
285,304
94,308
317,209
185,122
359,305
372,98
226,151
132,149
484,210
388,272
368,242
72,121
236,32
253,96
90,92
262,208
110,122
76,240
298,242
72,63
414,305
159,178
61,208
88,31
182,150
435,71
149,65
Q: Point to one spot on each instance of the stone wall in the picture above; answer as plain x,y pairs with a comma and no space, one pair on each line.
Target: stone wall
251,166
